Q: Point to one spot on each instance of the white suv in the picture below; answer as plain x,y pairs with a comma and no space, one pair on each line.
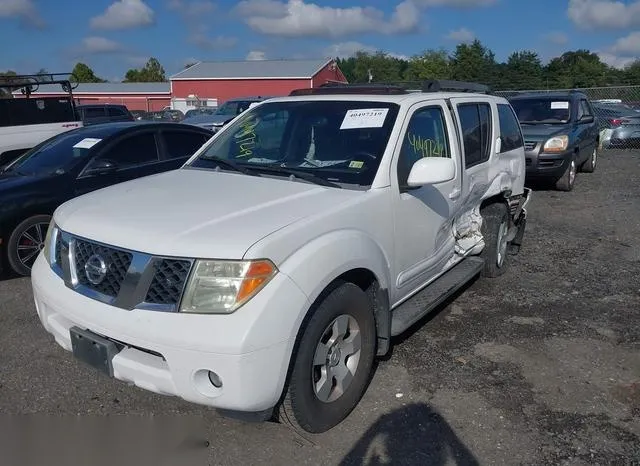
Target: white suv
265,276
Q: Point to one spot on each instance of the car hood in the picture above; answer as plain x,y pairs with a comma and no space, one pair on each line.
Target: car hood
207,119
540,132
194,213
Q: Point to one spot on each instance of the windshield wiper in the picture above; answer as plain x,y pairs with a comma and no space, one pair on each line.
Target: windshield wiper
230,165
306,176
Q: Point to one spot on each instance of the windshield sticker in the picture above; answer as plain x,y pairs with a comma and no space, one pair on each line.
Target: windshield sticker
87,143
559,105
310,163
356,164
364,118
425,147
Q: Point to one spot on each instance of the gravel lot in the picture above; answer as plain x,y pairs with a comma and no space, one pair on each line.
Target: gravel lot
540,366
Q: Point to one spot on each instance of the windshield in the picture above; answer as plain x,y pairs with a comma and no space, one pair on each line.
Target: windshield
54,155
335,141
542,110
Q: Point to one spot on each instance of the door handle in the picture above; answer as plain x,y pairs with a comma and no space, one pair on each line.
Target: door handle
454,194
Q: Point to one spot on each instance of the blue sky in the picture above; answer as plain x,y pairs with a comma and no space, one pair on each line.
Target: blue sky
112,36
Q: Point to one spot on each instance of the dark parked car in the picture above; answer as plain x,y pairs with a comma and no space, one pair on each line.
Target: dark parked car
78,162
138,114
200,111
95,114
224,114
621,123
561,134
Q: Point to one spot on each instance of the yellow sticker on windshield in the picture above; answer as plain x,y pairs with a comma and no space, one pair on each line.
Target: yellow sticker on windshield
356,164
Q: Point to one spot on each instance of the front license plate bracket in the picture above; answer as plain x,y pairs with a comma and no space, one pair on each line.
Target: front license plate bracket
93,349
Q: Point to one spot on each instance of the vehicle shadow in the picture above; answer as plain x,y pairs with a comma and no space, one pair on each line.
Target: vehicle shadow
414,434
7,275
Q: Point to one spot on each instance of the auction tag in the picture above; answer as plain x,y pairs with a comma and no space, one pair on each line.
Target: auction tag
559,105
87,143
364,118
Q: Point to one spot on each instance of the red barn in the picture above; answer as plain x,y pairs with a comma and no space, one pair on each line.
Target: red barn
228,79
136,96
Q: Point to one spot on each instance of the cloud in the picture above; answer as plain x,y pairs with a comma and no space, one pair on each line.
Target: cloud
99,45
124,14
604,14
24,10
558,38
256,55
461,36
296,18
615,60
350,48
137,60
192,9
200,39
456,3
629,45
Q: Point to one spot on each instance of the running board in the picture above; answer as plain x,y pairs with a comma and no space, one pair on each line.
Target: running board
436,293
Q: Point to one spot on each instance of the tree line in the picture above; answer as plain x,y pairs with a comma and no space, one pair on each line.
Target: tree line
523,70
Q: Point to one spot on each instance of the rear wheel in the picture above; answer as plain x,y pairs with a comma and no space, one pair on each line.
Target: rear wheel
495,231
568,178
333,363
26,242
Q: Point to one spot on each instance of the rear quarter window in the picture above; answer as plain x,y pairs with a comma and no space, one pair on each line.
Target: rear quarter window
510,131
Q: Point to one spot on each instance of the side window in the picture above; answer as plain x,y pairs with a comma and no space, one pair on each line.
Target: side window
426,137
113,111
510,132
586,110
133,150
475,120
182,143
94,112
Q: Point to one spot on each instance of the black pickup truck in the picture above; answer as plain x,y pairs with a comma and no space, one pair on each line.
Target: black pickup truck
561,135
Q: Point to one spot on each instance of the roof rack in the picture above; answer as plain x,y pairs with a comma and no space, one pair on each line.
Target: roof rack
29,83
344,88
439,85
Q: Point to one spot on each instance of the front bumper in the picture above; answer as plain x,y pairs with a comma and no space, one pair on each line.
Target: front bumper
543,165
171,353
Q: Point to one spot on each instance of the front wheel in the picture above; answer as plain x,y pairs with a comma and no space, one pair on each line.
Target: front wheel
26,242
568,178
333,363
589,166
495,231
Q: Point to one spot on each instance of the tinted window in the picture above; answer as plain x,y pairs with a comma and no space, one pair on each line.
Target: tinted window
426,136
542,110
475,120
339,141
510,132
115,111
133,150
34,111
182,143
93,112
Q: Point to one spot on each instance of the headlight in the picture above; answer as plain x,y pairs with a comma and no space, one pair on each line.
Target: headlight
221,287
48,247
556,144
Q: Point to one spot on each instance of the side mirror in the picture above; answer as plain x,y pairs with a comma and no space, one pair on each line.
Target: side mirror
101,167
431,170
587,119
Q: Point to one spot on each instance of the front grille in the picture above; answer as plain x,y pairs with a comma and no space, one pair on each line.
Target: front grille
116,260
168,281
528,161
529,145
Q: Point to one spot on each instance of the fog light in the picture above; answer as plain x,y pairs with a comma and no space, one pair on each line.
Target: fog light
215,379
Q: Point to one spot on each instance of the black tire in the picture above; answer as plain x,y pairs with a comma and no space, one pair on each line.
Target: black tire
495,227
589,165
568,178
302,409
15,256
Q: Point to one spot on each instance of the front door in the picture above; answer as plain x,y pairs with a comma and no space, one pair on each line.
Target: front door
423,216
